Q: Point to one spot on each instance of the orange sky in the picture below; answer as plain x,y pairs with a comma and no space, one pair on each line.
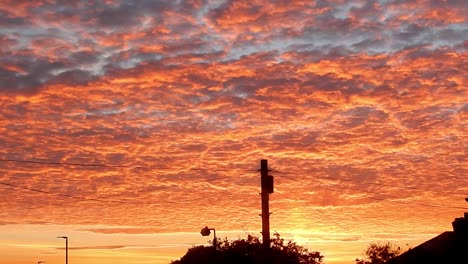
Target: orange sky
130,125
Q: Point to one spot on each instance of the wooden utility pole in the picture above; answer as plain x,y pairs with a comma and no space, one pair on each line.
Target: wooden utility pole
267,188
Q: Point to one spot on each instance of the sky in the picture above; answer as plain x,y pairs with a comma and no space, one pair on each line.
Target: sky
130,125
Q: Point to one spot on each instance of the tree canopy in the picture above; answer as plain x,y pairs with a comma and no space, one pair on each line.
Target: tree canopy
378,253
251,251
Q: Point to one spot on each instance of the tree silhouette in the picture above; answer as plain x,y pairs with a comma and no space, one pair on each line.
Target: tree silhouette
380,253
251,251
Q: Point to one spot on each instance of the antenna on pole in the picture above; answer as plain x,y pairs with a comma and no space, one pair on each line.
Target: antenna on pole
267,188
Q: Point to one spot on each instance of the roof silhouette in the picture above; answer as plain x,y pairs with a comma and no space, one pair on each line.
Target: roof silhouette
448,247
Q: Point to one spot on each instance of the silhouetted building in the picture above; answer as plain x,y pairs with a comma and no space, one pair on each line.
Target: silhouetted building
450,247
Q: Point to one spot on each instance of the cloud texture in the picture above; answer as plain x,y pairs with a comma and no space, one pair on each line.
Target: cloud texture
359,106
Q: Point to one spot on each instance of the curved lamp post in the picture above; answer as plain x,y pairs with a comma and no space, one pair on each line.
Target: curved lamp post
66,248
39,262
206,231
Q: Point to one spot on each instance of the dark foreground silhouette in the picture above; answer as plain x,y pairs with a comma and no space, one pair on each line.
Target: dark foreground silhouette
378,253
251,251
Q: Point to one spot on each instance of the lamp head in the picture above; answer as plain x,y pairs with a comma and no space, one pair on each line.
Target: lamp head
205,231
63,237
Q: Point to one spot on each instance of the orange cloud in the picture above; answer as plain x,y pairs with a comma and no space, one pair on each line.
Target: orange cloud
151,117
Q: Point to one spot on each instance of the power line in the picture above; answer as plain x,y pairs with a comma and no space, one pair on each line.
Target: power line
62,163
43,162
98,200
201,169
372,183
389,185
58,194
104,165
394,197
375,193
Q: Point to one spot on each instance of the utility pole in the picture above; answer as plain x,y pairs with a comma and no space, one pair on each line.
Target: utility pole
267,188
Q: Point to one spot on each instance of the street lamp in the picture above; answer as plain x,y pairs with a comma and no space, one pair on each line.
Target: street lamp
39,262
66,248
207,231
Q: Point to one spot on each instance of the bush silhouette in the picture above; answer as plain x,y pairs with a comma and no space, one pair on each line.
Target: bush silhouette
380,253
251,251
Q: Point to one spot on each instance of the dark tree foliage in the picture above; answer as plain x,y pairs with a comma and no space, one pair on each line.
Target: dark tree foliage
380,253
251,251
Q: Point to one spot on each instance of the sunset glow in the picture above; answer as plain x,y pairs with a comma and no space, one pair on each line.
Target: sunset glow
128,125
